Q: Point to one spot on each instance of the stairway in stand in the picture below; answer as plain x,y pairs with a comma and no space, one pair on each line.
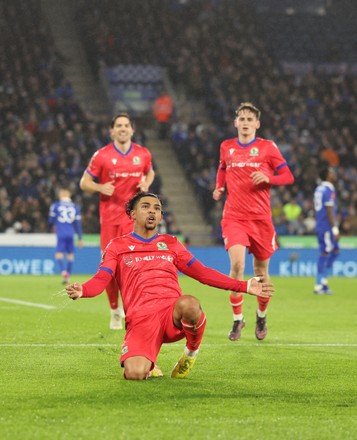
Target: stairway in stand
180,194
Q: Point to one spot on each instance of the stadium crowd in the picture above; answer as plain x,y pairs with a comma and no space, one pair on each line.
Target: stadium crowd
46,138
310,115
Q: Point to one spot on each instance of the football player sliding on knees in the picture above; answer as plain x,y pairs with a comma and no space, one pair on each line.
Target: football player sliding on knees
145,265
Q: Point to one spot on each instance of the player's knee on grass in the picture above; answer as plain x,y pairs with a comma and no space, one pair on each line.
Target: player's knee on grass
136,368
190,308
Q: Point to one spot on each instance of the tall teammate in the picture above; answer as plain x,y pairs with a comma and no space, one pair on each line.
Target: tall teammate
248,167
327,230
65,216
117,171
145,265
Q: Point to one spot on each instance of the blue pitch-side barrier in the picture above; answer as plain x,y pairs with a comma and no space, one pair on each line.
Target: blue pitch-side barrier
285,262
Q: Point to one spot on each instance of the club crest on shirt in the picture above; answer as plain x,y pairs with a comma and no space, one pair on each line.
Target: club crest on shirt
136,160
231,151
114,161
254,151
128,260
161,246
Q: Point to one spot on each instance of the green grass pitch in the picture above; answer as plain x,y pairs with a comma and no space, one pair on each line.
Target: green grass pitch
60,377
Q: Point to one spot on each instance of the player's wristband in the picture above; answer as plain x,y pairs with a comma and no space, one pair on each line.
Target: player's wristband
335,230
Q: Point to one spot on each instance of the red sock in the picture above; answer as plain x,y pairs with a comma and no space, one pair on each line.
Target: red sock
113,294
263,303
194,332
236,303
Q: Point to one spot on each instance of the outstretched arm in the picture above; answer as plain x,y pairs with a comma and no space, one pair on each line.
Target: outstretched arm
92,287
212,277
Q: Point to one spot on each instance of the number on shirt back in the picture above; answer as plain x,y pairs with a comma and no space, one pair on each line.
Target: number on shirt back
66,214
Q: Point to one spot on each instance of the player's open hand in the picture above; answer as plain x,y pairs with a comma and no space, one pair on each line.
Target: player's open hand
74,291
257,288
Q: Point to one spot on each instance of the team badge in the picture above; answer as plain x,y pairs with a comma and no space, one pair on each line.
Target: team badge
136,160
161,246
231,151
254,151
128,260
114,161
124,350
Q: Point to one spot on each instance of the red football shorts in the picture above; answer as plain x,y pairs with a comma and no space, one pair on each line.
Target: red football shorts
108,232
258,236
145,334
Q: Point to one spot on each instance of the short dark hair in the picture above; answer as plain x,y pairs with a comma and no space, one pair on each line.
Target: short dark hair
249,106
323,171
131,204
121,115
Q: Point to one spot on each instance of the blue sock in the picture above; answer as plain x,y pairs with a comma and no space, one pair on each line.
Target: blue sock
321,269
60,263
69,266
330,260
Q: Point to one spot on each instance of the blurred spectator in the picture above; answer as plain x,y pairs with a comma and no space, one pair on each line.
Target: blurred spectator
162,109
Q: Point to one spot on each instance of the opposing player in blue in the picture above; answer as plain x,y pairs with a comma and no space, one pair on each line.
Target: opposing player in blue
327,229
65,216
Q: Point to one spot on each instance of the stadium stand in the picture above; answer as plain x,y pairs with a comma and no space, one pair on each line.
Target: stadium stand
219,53
236,51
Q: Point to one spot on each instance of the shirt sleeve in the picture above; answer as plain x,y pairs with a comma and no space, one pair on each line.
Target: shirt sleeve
96,284
94,166
212,277
221,172
283,177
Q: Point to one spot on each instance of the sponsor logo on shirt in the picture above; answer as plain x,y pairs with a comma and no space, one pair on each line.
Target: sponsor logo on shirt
136,160
244,164
155,257
113,175
254,151
161,246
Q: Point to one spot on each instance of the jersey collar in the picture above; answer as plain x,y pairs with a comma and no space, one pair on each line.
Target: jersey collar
246,145
146,240
123,154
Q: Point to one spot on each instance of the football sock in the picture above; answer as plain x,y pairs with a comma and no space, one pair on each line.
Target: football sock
60,264
330,260
262,304
191,353
236,303
113,294
194,332
238,317
321,268
69,266
261,314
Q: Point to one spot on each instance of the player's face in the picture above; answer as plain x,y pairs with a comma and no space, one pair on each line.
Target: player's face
247,124
148,213
122,130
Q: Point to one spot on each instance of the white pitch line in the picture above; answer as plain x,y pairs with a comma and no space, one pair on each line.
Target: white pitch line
26,303
179,345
